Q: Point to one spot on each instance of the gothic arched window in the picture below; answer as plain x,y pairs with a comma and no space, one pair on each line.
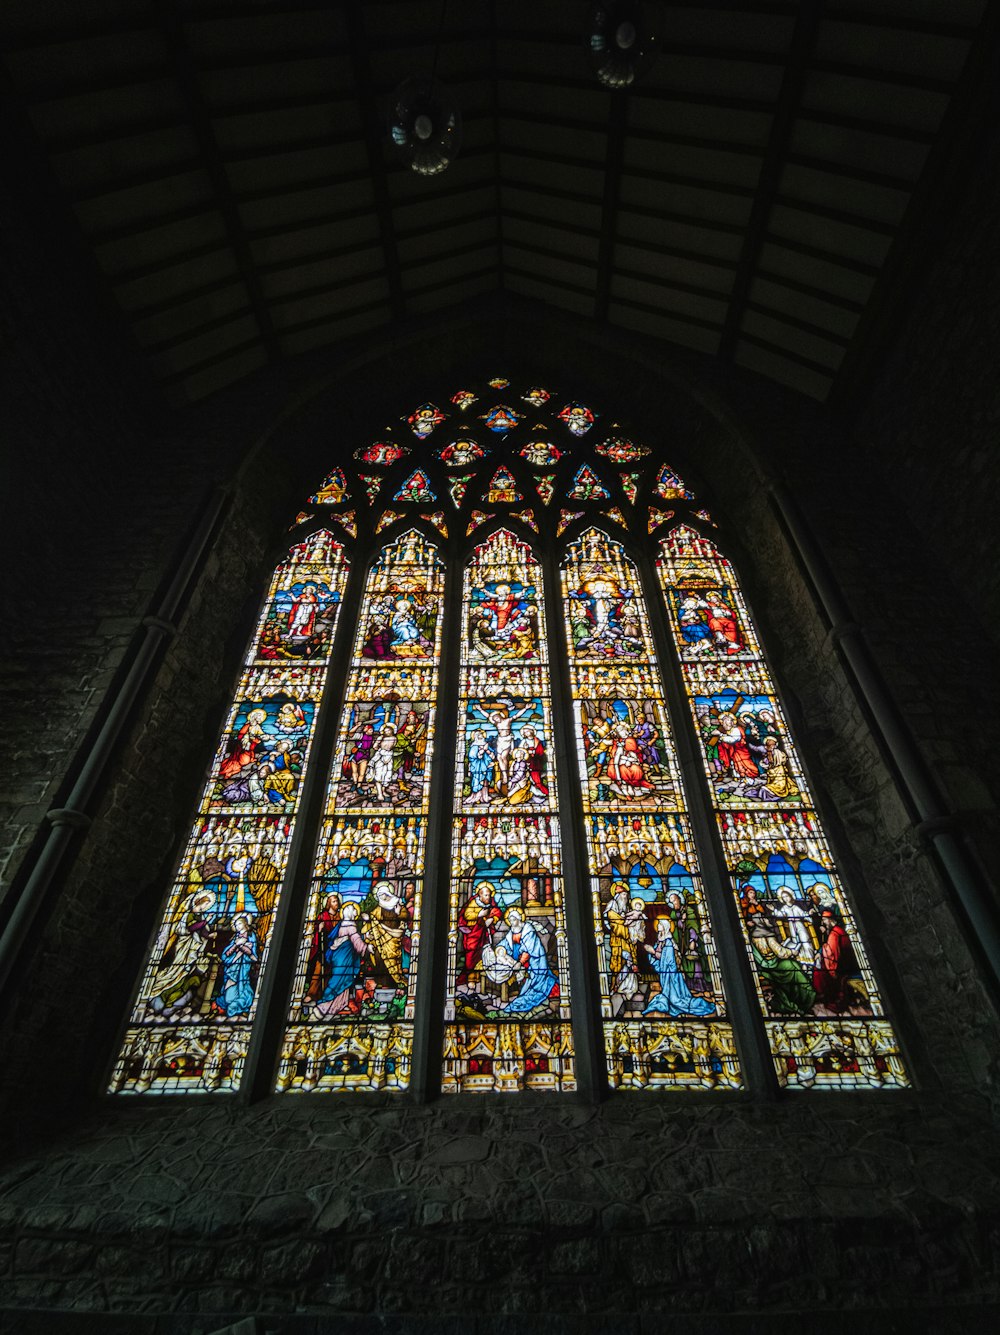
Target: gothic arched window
506,791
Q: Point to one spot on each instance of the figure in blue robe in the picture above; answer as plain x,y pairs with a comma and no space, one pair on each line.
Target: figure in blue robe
674,996
523,943
236,989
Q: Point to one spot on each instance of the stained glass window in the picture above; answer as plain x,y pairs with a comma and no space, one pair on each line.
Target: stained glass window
190,1024
613,845
507,1022
824,1018
350,1021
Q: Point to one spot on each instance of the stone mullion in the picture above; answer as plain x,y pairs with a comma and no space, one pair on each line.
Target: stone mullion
742,1006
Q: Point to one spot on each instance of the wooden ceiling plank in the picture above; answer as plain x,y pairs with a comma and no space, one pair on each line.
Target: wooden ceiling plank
803,42
186,73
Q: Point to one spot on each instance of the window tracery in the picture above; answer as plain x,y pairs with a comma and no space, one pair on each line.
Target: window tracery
474,594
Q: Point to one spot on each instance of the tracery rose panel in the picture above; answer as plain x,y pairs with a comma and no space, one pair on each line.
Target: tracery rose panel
191,1021
824,1017
662,999
507,1017
351,1013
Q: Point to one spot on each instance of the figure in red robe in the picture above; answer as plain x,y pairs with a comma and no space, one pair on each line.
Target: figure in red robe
476,925
836,964
302,614
734,753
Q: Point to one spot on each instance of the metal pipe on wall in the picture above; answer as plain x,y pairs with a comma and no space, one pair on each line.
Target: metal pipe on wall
66,820
934,821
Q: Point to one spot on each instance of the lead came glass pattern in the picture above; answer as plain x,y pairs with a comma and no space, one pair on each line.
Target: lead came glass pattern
662,1001
824,1018
191,1021
507,1017
351,1016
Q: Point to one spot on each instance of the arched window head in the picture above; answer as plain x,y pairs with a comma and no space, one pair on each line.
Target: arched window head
524,747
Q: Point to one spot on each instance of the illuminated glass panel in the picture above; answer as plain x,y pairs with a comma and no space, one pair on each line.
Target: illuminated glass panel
457,486
381,453
587,486
388,517
662,1001
416,488
536,396
670,487
566,518
424,419
621,451
703,514
476,520
372,486
545,488
461,453
436,517
501,418
507,1021
526,517
502,488
498,382
578,417
825,1021
332,490
350,1020
191,1021
630,486
302,517
657,518
347,521
616,516
542,453
463,398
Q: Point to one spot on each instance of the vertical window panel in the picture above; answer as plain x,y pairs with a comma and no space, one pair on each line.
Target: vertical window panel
662,1001
191,1021
507,1016
824,1017
350,1021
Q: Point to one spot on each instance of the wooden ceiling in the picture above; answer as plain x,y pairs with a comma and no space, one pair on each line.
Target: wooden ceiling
758,196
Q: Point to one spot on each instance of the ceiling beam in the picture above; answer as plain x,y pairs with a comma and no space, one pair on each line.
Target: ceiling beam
800,52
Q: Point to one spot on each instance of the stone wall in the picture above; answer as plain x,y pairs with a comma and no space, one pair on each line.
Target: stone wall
688,1203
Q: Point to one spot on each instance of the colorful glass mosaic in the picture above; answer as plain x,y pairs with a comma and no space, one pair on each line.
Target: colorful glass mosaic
616,516
507,1017
703,514
477,518
461,453
587,486
463,399
424,419
670,487
381,453
526,517
498,382
630,486
458,487
351,1012
545,488
622,451
502,489
661,991
302,517
372,486
578,417
566,518
190,1024
416,488
436,517
501,418
657,518
542,453
536,396
388,517
823,1013
332,490
347,521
